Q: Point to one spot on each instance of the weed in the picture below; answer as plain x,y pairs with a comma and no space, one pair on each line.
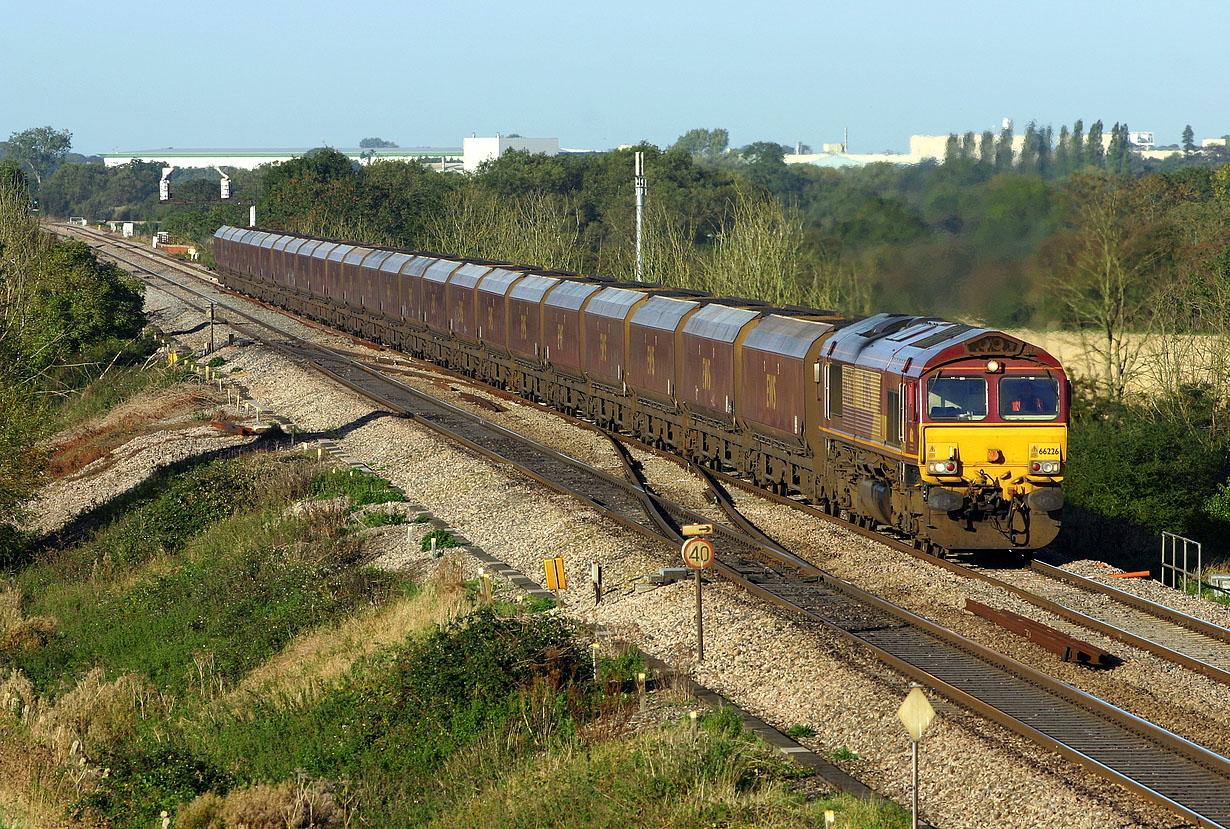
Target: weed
381,518
359,487
537,604
800,732
442,538
421,518
843,755
216,361
625,663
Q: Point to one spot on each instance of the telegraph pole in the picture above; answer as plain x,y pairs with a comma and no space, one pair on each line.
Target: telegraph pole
639,177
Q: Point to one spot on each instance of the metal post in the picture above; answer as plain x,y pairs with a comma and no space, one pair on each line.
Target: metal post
914,746
700,631
211,328
639,178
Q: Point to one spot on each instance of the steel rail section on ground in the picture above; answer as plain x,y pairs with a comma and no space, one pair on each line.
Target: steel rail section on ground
1161,766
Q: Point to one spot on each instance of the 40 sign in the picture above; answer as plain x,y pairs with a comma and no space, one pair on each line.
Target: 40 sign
698,553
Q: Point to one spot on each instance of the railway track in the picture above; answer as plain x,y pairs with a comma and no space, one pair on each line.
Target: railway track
1161,766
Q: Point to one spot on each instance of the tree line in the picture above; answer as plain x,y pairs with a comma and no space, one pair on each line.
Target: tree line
65,317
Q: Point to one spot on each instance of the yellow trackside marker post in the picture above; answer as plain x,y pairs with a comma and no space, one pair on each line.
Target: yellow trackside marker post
554,569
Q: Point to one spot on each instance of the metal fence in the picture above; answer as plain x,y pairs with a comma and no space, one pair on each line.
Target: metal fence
1177,555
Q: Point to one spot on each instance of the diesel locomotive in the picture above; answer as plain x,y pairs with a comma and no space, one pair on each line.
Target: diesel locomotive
953,435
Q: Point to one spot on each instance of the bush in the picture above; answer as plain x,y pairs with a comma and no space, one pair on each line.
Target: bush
1134,472
144,780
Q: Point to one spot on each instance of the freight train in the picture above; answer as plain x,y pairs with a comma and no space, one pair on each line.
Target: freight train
953,435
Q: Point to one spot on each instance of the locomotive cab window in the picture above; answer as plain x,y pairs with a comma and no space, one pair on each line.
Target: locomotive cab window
1028,398
957,398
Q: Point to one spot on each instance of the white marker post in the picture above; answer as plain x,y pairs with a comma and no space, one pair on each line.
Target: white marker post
915,714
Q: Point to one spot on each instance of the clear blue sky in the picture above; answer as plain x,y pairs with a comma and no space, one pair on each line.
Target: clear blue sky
132,74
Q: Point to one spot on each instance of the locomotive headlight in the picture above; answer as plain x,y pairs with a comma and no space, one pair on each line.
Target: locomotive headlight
994,366
1044,467
942,467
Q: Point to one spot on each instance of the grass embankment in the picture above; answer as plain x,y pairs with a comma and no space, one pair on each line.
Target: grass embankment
211,652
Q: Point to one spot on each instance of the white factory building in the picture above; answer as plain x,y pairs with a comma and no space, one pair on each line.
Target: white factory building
477,149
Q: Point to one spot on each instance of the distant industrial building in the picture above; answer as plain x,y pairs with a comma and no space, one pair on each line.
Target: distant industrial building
438,157
478,149
475,151
923,147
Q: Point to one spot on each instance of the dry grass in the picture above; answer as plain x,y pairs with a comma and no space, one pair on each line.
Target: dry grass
35,790
95,714
303,804
146,412
319,657
10,606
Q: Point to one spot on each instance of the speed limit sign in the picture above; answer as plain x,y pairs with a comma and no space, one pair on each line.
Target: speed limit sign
698,553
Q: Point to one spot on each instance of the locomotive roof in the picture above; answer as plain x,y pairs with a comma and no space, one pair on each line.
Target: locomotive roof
912,345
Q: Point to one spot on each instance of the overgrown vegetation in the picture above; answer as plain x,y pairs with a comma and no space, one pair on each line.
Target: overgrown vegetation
66,320
359,488
232,661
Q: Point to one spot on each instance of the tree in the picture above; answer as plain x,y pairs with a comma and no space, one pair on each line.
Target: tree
1003,150
1119,154
969,146
703,143
375,143
39,149
986,149
757,255
12,178
764,152
1094,150
1189,140
1045,163
1101,273
952,149
1031,149
1078,145
1063,153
